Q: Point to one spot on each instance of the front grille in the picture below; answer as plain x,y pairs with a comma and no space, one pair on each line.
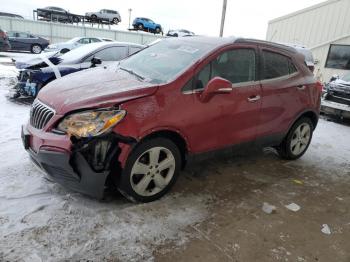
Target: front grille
341,94
40,114
338,99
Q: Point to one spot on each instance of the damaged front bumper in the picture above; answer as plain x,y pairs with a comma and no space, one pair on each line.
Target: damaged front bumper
81,166
27,89
335,108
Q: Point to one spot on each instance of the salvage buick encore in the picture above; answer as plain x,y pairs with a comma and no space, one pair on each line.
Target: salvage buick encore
137,122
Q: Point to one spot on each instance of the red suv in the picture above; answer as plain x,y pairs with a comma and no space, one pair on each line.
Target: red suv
137,122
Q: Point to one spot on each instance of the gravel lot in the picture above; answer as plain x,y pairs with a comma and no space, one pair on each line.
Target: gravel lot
214,213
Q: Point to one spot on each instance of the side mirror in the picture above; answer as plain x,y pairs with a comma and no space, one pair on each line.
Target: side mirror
217,85
95,61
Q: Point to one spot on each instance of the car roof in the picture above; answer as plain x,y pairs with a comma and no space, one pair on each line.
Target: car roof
214,41
106,44
282,47
54,7
10,15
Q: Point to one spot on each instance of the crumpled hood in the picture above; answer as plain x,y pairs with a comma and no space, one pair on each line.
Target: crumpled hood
339,85
340,82
95,87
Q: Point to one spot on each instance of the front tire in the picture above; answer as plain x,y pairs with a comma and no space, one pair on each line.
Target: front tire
297,140
150,171
140,26
115,21
36,49
157,30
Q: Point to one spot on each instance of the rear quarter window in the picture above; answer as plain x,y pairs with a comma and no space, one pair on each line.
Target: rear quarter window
276,65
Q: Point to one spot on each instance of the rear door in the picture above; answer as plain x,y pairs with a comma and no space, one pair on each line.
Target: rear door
281,85
13,40
21,41
227,119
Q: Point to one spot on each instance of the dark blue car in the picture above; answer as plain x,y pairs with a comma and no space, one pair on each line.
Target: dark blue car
32,79
22,41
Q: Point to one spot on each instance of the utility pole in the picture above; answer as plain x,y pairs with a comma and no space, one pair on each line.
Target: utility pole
129,16
223,17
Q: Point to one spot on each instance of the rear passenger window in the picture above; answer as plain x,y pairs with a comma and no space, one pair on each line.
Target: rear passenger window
276,65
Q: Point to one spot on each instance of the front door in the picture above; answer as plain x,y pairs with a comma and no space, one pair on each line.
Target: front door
227,119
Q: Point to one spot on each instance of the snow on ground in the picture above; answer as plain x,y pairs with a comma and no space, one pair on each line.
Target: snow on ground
41,221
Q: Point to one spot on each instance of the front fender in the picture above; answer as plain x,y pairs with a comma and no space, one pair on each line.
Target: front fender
126,148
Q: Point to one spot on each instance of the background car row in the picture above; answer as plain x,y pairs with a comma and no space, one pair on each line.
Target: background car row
39,71
58,14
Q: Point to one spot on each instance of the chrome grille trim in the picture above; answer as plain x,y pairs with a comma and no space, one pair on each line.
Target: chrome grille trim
40,114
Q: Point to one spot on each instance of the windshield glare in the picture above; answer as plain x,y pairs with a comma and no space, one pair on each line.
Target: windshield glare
164,61
346,78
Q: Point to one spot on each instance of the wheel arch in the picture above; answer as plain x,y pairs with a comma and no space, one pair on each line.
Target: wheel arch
309,114
175,136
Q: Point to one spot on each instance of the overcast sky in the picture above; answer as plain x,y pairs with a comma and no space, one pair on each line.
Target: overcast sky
246,18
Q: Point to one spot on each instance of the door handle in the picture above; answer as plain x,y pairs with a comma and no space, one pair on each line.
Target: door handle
301,87
253,99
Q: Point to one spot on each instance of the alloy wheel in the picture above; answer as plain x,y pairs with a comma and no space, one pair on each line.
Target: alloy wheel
152,171
36,49
300,139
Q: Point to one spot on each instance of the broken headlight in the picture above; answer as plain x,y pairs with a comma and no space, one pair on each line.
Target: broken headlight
91,123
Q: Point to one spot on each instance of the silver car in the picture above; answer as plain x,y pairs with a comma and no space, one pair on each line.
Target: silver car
75,42
106,15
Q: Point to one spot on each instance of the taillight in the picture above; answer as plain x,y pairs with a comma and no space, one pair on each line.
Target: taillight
2,34
319,86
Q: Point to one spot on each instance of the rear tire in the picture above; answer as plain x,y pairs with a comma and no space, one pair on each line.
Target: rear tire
76,19
150,170
93,18
36,49
297,140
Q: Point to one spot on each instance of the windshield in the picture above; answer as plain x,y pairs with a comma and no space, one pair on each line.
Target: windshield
346,78
78,53
164,61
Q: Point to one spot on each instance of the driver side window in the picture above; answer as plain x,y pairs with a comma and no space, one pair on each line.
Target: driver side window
237,66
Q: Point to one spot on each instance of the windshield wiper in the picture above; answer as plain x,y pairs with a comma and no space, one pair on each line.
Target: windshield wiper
132,73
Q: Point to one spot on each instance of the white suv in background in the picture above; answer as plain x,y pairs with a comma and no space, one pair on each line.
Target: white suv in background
75,42
179,33
107,15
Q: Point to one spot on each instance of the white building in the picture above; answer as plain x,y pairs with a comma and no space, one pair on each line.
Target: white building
325,29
